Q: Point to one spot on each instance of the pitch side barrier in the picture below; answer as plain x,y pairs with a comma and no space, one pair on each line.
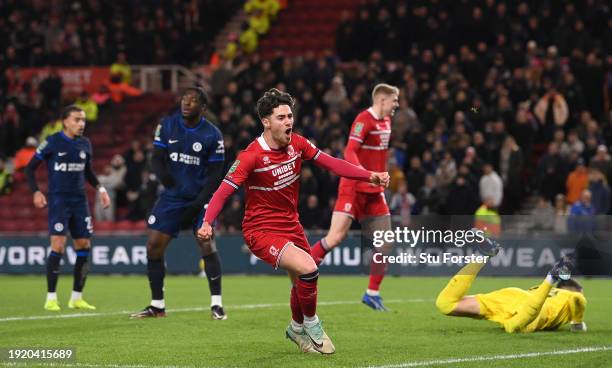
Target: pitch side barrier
427,246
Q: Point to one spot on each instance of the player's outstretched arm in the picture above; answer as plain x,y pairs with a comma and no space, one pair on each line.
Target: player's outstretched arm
350,171
39,199
214,208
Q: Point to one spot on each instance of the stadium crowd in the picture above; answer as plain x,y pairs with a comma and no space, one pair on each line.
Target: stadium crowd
499,101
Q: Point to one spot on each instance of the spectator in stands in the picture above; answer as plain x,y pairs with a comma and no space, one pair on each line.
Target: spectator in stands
561,213
233,215
119,90
24,155
6,179
552,111
401,205
248,39
577,182
601,160
335,95
50,128
85,102
51,91
510,168
542,216
415,177
600,192
581,215
112,180
462,198
12,130
121,68
135,163
310,214
487,218
428,197
491,187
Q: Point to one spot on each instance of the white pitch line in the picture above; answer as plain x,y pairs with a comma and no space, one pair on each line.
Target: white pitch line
196,309
589,349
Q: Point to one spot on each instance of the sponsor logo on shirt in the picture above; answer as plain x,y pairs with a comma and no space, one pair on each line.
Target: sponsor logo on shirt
68,166
184,158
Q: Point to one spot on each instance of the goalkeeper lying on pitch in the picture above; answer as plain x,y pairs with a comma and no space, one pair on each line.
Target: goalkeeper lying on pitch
540,308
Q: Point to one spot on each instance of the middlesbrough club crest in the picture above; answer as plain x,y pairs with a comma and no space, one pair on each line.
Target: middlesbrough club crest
266,160
290,151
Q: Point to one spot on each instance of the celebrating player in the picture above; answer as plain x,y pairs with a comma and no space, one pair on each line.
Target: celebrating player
540,308
68,157
367,147
188,159
269,168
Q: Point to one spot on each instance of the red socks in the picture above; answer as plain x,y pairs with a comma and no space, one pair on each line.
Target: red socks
377,273
306,290
318,252
296,311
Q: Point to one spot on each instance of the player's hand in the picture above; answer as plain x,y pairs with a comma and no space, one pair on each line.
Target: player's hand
380,178
105,200
205,232
40,201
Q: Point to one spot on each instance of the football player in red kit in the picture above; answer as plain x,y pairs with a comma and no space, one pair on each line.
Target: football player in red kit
269,169
367,147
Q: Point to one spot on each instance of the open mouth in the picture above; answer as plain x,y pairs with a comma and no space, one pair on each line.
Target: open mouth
288,131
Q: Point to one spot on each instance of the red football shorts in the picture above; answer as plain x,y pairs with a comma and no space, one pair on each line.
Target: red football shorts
360,205
269,247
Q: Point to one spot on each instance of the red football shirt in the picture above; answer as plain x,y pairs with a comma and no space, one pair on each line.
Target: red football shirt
271,180
372,133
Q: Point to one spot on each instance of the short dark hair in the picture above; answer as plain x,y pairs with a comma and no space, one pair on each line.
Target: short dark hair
200,92
69,110
569,284
272,99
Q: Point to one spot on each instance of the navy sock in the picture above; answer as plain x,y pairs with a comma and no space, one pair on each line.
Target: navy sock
156,271
53,266
81,269
212,267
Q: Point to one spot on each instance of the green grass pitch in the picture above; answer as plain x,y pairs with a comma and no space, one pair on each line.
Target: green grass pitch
412,334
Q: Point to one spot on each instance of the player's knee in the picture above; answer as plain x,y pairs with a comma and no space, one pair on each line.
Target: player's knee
154,249
311,276
445,305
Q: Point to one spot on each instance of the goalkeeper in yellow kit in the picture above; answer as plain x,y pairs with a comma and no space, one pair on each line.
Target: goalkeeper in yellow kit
540,308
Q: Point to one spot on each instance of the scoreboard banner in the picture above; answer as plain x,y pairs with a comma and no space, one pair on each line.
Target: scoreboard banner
125,254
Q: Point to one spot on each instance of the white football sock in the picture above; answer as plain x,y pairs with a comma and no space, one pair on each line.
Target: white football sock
161,304
76,295
297,327
216,300
51,296
311,321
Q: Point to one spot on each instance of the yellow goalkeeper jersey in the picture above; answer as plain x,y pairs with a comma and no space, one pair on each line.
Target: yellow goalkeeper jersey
561,307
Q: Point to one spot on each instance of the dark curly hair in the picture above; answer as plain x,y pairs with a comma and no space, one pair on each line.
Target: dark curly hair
272,99
200,92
